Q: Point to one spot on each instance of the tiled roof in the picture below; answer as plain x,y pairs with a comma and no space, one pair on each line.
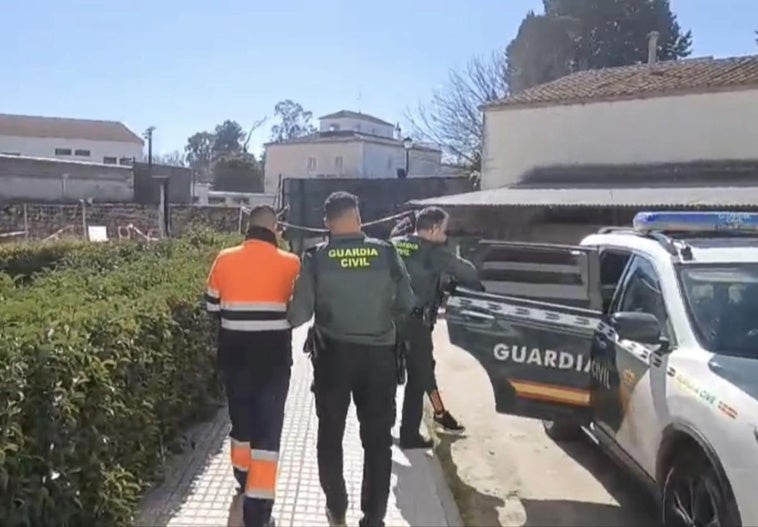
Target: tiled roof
641,80
355,115
62,128
346,136
601,197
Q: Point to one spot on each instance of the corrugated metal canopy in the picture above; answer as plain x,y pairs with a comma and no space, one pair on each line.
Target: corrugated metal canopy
600,197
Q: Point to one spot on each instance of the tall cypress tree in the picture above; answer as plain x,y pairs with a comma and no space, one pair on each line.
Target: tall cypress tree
592,34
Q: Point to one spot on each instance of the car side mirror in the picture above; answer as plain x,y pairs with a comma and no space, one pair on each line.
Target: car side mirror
637,327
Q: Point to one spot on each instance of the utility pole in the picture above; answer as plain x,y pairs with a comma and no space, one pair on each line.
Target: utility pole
163,213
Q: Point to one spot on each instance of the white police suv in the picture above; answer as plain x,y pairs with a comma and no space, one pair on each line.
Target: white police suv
644,338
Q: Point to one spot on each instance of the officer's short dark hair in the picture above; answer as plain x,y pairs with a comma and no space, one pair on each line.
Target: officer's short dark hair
261,212
430,217
339,203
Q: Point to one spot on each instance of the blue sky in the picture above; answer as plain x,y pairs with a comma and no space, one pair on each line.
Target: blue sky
186,66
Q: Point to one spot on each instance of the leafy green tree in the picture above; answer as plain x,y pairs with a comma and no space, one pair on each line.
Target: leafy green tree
543,49
294,121
228,138
222,157
238,173
199,153
576,35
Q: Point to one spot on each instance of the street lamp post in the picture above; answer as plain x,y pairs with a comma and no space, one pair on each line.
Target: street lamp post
163,210
407,144
149,136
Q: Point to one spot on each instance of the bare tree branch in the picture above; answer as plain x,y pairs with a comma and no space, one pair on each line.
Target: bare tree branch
453,117
257,124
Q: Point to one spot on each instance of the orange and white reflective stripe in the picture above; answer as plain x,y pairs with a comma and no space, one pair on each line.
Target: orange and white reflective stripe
274,307
212,300
261,476
254,316
551,393
240,454
254,325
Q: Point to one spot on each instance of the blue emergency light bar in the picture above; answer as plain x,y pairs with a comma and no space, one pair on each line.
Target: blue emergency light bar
695,222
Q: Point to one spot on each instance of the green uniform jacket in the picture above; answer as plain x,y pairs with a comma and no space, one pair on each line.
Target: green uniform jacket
426,261
357,288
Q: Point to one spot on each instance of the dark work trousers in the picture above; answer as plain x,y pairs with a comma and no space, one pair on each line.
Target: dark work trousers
256,382
421,378
368,373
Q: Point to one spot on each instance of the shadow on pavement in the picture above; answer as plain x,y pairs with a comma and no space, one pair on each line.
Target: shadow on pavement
636,507
416,491
235,512
467,497
548,513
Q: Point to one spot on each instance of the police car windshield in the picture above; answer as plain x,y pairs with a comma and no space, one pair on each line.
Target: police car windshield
722,303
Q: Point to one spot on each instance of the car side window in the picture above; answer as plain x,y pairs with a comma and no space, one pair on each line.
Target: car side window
642,294
613,262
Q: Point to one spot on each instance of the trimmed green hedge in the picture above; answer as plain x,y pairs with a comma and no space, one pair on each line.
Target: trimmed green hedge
106,353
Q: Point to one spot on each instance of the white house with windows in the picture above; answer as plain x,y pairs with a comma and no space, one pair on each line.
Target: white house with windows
683,111
105,142
350,145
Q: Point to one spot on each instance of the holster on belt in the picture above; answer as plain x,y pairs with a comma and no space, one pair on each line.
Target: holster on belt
313,347
427,315
314,343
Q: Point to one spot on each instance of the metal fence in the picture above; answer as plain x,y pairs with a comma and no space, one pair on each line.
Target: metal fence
112,221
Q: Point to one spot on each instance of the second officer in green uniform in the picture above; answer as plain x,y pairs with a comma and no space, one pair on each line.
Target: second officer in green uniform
358,289
426,259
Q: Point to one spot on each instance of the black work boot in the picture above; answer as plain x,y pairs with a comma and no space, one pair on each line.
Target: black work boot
417,441
367,522
448,422
335,520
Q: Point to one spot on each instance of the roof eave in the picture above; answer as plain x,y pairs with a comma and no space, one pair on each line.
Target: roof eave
504,104
358,115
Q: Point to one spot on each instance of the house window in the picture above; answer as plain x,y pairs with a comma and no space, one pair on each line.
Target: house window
125,161
311,163
338,164
12,153
82,153
110,160
62,151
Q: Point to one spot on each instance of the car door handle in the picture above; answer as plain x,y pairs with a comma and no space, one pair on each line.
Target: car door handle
476,314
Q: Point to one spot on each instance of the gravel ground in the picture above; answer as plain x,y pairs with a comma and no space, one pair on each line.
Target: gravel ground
504,471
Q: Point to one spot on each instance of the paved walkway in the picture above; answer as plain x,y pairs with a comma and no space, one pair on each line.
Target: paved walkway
199,487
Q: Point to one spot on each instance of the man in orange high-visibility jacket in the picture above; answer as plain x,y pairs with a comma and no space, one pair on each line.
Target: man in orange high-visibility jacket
248,287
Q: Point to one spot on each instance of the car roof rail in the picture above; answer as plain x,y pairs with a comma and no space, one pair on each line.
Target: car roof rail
613,228
672,246
666,242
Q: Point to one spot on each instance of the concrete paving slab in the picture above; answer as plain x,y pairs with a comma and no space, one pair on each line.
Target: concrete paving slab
199,489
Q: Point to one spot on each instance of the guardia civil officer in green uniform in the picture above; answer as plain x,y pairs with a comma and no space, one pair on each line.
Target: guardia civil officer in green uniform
427,258
357,288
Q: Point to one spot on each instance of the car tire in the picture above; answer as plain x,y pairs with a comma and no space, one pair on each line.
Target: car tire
692,474
562,430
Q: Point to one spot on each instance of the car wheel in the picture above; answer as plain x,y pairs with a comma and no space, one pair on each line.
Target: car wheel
562,430
693,495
